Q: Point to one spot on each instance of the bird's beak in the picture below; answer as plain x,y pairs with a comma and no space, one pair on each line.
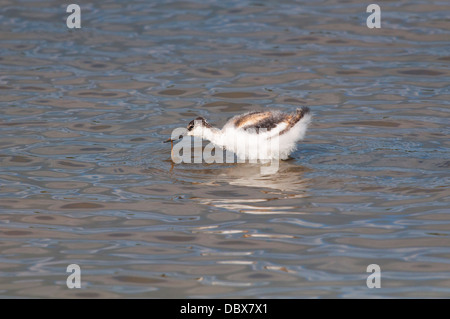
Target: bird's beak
172,140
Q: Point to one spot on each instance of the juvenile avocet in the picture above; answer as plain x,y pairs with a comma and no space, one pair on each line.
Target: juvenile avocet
257,134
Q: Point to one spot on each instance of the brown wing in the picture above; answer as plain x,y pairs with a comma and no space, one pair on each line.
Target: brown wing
257,120
269,120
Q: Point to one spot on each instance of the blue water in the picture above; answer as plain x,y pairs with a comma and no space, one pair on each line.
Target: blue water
85,179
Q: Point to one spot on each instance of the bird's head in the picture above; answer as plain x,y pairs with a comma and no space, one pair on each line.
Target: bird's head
196,127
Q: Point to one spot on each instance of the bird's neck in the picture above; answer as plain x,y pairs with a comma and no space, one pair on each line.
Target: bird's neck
213,135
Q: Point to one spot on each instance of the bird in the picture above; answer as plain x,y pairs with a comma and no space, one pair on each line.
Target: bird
254,135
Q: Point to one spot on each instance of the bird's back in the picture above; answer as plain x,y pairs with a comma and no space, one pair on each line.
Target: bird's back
253,121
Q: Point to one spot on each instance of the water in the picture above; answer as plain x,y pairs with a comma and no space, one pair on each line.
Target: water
86,180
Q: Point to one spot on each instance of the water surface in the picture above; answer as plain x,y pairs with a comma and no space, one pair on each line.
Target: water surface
85,179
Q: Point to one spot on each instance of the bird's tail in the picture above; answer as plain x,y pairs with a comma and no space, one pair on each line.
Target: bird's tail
299,114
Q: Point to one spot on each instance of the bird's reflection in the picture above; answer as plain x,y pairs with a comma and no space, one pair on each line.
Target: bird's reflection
287,178
287,182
